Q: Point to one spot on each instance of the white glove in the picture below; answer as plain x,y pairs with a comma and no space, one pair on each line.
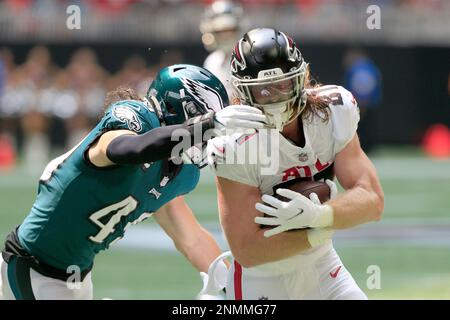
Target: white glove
239,117
319,236
215,280
298,213
219,295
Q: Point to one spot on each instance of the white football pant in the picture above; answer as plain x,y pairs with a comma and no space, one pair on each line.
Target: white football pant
321,276
18,282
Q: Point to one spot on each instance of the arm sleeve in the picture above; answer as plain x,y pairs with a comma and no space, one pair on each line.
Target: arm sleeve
158,143
151,146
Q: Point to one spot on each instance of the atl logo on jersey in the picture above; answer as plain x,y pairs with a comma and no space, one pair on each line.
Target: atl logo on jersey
304,171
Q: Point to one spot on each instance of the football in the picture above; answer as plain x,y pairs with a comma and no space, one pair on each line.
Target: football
306,188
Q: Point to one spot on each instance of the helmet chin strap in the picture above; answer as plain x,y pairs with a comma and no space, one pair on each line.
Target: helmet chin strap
157,107
278,121
281,114
275,114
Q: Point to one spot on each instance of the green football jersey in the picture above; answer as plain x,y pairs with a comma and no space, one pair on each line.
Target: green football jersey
81,209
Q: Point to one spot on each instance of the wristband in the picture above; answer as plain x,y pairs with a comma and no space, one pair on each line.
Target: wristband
317,237
326,217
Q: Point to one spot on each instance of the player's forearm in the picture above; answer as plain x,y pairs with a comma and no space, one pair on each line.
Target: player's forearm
151,146
257,249
200,250
356,206
158,143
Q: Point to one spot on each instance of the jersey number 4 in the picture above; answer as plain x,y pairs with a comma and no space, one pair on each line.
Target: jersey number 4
115,211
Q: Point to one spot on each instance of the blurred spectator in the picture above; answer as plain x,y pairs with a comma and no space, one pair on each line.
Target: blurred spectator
43,107
7,153
167,58
221,29
33,76
134,74
7,58
21,109
111,7
8,122
86,80
363,79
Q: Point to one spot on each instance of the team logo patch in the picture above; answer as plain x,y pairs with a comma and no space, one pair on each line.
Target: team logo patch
128,115
204,95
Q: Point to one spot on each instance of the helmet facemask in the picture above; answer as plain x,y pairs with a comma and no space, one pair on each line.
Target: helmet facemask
281,96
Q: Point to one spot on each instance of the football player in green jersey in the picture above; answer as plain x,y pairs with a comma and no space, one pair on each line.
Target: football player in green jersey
122,172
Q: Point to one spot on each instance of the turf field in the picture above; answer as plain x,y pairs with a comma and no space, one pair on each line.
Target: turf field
411,245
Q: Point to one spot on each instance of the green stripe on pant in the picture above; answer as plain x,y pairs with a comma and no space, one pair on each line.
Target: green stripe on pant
19,278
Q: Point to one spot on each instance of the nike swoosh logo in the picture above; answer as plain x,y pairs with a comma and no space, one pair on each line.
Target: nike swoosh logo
301,211
335,273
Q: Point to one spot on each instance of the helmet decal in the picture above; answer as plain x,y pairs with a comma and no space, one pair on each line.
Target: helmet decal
237,53
294,52
237,59
291,42
204,95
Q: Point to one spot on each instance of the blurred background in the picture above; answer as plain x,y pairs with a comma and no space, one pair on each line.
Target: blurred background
59,58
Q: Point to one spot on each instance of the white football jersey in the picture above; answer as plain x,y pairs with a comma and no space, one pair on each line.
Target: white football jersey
267,159
275,165
218,63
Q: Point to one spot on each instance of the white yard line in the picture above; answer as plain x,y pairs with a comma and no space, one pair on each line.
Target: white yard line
398,232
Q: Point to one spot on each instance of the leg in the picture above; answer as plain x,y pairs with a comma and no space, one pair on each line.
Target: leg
3,279
242,286
45,288
318,279
20,282
336,283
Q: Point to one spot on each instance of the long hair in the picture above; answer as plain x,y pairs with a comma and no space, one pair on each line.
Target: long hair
316,106
121,93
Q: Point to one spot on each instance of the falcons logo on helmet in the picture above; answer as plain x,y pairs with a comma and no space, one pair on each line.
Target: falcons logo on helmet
128,116
206,96
237,60
294,52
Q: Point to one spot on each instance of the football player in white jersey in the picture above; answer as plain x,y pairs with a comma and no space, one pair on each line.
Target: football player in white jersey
315,139
220,29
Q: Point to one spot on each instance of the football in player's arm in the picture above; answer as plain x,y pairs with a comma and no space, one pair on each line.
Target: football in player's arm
361,202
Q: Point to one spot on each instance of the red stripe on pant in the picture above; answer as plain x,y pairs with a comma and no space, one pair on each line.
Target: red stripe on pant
237,281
